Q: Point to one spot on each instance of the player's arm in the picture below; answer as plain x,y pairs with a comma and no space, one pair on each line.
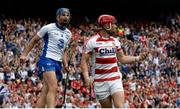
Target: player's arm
88,47
31,44
66,54
84,65
65,59
130,59
126,59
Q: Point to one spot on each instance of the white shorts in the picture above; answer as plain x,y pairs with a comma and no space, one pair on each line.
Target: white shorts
104,89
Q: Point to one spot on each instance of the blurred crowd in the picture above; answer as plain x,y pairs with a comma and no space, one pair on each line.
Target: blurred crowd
153,83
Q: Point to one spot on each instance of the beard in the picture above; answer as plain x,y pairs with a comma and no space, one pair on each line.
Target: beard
64,24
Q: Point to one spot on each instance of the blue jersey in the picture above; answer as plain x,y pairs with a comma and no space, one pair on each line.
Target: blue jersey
55,39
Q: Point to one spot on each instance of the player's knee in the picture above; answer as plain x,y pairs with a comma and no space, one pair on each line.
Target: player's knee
119,104
44,91
52,88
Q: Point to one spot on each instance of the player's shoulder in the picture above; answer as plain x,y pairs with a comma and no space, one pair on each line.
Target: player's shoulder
115,39
51,25
48,26
94,37
91,40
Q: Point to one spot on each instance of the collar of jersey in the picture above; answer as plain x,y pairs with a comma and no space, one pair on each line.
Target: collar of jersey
60,26
104,37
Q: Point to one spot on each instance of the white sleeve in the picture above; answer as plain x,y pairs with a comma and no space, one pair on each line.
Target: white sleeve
41,33
118,44
88,47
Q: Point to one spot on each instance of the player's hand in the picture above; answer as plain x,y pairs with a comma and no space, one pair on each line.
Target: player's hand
66,68
143,56
88,82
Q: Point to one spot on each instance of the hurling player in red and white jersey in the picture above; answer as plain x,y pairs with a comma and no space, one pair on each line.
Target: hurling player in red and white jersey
107,51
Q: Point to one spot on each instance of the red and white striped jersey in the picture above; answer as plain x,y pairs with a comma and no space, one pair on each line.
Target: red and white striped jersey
105,50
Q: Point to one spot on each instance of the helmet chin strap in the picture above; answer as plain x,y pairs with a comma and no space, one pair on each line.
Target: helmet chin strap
110,26
108,29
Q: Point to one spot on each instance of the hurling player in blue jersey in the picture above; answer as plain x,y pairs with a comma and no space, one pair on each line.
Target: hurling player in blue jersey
56,38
